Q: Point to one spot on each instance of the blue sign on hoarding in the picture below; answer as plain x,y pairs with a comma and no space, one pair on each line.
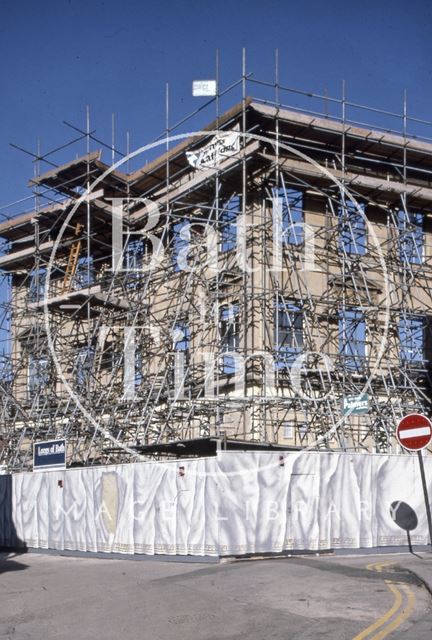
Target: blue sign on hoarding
49,455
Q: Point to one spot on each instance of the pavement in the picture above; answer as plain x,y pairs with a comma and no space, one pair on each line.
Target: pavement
420,564
334,597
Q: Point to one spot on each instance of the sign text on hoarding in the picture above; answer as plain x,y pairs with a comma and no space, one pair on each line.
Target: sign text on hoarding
49,455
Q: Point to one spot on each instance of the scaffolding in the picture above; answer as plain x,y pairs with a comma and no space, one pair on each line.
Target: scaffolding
253,298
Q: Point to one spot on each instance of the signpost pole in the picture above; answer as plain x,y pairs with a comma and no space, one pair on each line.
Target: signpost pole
425,492
414,432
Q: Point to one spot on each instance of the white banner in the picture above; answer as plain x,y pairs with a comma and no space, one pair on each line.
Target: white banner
204,88
223,145
234,503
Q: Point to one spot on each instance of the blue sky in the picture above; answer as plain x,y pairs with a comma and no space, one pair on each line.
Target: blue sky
58,56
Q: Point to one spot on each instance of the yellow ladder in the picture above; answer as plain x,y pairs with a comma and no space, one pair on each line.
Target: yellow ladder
72,261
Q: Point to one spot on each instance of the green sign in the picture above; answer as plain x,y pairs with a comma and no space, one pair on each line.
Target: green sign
356,405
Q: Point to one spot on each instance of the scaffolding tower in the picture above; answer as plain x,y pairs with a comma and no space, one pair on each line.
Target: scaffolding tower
252,296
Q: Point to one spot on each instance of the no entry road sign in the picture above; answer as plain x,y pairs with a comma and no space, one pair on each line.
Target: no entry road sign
414,432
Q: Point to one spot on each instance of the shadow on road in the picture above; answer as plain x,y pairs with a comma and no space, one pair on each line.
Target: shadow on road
352,571
8,564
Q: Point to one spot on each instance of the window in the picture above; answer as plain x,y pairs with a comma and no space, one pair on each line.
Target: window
84,364
84,275
134,261
181,346
288,333
134,255
288,431
290,207
227,217
179,242
352,338
229,330
38,374
181,337
352,228
302,431
412,338
37,285
410,227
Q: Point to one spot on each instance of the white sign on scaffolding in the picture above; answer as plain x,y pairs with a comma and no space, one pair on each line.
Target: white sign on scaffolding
223,145
204,88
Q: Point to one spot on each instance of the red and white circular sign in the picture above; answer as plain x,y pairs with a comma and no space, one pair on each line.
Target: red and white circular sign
414,432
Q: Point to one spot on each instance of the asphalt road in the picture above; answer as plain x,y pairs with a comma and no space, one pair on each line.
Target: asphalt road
299,598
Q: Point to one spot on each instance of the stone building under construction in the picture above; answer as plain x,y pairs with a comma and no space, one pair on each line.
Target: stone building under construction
267,280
